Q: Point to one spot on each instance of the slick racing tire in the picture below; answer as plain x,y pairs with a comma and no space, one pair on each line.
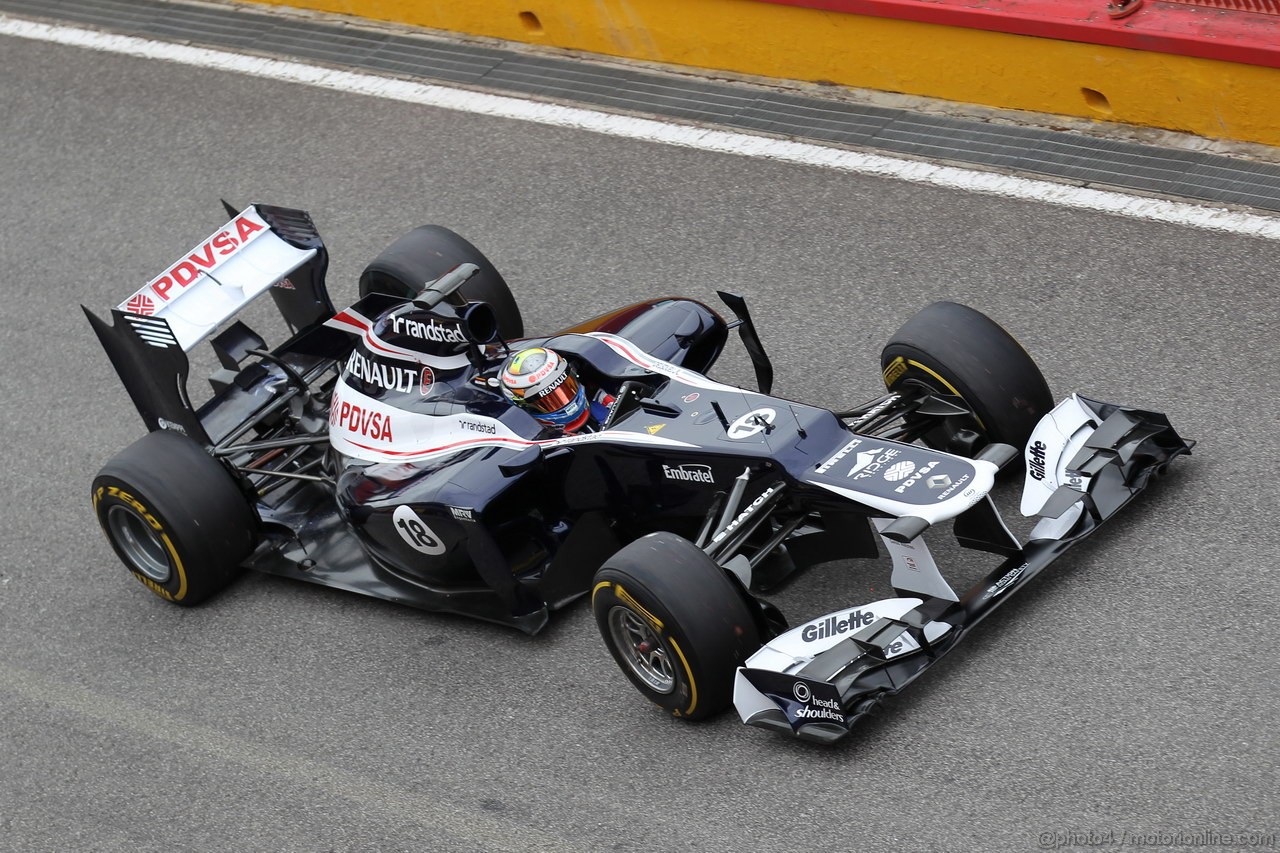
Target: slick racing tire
174,516
430,251
953,349
675,622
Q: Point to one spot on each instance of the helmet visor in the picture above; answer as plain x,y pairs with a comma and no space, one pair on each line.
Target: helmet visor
553,399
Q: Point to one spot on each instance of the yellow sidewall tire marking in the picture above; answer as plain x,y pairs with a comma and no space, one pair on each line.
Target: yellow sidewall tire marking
597,588
893,370
177,565
150,518
625,598
693,685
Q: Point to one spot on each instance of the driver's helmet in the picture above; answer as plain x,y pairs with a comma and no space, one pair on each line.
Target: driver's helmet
540,381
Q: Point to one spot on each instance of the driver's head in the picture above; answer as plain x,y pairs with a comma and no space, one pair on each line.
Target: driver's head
541,382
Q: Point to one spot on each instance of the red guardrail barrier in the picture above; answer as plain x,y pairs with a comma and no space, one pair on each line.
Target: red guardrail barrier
1246,31
1265,7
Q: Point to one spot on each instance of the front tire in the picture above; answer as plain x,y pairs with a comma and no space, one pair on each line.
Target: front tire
175,517
676,624
953,349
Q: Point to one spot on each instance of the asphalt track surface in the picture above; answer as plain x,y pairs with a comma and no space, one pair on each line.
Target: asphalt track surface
1133,688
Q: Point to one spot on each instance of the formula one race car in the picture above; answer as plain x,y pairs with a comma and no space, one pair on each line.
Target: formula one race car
417,447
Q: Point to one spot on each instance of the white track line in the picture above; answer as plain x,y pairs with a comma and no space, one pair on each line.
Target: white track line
687,136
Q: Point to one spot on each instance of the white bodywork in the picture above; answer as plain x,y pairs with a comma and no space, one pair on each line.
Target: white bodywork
1062,433
984,478
791,651
364,428
1054,443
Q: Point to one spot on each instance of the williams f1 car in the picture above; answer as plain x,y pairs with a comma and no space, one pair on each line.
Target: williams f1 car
377,450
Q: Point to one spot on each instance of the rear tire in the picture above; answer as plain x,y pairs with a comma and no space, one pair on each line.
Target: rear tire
675,623
953,349
430,251
175,517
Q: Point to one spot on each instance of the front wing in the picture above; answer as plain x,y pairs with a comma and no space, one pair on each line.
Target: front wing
1085,461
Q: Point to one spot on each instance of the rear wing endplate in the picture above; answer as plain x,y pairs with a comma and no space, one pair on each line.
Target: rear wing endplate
262,248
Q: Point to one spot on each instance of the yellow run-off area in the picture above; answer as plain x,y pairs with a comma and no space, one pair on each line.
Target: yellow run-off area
1208,97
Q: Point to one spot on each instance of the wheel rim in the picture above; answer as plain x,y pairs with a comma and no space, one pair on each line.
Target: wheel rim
642,650
139,542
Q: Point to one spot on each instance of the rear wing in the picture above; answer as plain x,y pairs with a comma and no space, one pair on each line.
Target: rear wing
255,251
261,249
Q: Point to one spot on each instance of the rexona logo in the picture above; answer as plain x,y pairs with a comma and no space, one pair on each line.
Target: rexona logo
834,626
428,331
689,473
386,376
207,255
1036,460
343,415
